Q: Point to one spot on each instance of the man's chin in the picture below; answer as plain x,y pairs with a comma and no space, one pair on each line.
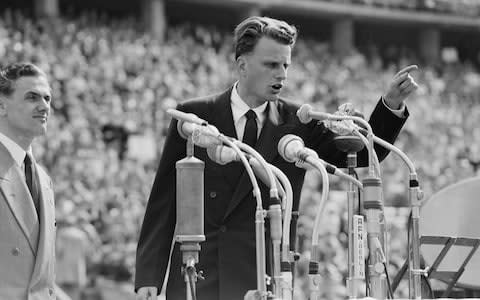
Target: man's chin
41,131
272,97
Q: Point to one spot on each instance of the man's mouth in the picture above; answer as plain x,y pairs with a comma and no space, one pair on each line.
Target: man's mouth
42,118
277,87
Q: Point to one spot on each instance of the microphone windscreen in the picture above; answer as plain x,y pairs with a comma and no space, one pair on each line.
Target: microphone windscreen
222,155
187,117
288,146
303,113
181,129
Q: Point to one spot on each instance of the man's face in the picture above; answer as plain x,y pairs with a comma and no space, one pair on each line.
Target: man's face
27,109
264,72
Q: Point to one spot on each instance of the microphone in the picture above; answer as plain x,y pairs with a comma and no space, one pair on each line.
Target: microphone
292,149
203,134
223,155
306,114
186,117
190,182
189,231
341,127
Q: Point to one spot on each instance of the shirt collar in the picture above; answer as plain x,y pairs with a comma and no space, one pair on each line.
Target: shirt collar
15,150
240,108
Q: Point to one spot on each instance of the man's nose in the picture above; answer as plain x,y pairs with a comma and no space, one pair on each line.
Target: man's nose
44,105
281,73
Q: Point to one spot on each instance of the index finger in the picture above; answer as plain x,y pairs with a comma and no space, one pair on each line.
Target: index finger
406,70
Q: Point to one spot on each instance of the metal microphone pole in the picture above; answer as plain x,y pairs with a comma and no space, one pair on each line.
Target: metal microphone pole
414,280
275,215
415,196
259,221
373,195
223,155
355,222
286,280
313,272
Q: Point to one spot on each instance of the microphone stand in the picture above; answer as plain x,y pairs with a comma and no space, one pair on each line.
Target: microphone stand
373,209
313,272
285,281
292,149
190,243
376,228
212,131
259,220
355,222
275,214
415,195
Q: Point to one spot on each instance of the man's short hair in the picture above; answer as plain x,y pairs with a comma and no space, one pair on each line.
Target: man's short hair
252,29
11,73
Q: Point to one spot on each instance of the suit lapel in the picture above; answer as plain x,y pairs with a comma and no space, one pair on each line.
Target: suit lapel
267,147
47,220
223,116
16,193
223,120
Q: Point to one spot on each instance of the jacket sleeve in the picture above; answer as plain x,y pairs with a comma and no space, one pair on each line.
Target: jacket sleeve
385,125
156,235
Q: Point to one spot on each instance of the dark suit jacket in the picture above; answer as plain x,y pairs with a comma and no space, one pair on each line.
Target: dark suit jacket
228,254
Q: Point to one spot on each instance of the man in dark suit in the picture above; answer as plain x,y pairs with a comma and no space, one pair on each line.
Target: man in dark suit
263,54
27,212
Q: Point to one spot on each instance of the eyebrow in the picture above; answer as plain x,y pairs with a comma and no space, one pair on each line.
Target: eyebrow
38,94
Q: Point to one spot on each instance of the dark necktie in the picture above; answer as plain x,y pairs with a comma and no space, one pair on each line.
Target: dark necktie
251,129
31,182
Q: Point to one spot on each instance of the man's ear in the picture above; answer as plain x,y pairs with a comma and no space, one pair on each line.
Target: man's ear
241,65
3,105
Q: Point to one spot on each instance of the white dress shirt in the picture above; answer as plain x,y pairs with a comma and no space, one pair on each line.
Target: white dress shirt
15,151
240,108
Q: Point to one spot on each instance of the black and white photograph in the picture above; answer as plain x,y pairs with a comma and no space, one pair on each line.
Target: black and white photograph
239,149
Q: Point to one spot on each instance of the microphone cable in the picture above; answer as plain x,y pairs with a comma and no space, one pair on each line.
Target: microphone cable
359,192
390,292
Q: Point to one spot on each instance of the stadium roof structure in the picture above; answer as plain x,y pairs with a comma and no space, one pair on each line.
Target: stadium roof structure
354,11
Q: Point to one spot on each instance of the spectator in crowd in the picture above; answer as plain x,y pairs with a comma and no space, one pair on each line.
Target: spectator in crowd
27,214
74,246
251,110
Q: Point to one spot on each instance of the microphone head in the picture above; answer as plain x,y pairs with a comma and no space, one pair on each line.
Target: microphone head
214,153
303,113
181,130
187,117
288,147
222,155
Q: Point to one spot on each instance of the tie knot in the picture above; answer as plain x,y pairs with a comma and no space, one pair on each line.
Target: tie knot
251,115
27,160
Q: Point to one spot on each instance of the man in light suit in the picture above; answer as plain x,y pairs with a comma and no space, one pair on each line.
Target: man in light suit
251,110
27,213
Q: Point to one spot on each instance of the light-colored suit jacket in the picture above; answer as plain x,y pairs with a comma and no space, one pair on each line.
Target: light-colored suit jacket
27,241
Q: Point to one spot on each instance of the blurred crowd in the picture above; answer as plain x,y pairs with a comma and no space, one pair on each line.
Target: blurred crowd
112,84
469,8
